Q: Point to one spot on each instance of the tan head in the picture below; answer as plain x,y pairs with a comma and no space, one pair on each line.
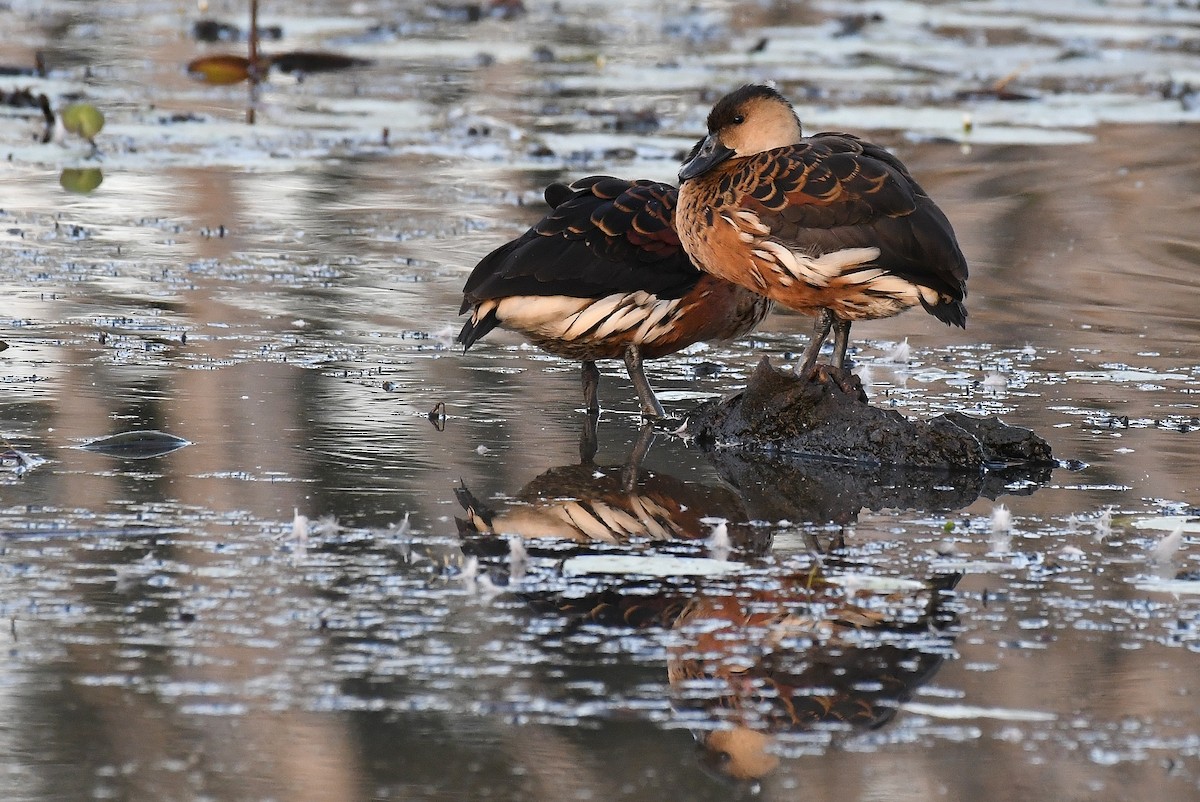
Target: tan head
744,122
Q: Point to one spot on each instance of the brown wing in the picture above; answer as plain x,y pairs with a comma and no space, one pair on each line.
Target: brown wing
605,236
835,191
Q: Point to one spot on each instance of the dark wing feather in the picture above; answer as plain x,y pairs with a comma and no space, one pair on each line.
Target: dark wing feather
604,236
835,191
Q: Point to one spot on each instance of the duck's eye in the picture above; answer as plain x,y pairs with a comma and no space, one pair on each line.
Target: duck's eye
738,119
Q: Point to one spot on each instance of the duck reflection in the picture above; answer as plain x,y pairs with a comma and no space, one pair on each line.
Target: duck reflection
832,651
766,655
820,491
617,505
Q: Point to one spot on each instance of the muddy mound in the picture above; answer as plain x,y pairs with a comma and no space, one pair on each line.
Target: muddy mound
829,418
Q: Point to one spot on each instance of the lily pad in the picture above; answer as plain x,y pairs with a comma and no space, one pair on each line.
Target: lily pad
83,119
81,180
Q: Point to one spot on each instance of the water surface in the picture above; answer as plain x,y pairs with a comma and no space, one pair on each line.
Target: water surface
287,608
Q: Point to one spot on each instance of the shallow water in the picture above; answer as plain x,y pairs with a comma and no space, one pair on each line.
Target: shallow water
287,607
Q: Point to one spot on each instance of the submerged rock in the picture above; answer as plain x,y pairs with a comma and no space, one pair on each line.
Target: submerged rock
780,413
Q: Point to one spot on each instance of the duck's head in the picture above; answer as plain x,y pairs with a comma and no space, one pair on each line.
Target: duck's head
744,122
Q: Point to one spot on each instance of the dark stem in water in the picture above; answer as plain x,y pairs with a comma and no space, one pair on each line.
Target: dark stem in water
252,39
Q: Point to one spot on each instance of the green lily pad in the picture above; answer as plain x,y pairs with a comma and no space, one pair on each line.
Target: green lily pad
83,119
81,179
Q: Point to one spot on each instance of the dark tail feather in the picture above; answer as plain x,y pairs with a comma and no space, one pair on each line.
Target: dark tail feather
557,194
473,329
952,313
476,511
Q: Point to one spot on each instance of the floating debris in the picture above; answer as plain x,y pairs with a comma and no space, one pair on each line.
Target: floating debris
1165,550
137,444
312,61
900,355
1169,523
19,462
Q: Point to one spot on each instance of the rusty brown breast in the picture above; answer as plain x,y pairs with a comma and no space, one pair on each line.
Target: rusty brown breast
829,221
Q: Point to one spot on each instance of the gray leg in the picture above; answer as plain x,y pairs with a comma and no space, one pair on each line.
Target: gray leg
591,386
633,466
633,363
587,439
841,341
820,332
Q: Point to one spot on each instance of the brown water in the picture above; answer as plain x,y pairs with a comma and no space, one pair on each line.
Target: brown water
173,632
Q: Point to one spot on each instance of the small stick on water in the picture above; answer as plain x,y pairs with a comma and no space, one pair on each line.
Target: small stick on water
437,416
252,40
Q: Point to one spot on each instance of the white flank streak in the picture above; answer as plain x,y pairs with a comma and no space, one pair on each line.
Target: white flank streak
585,522
750,222
836,262
660,310
819,271
863,277
799,265
622,320
546,314
592,315
646,516
617,520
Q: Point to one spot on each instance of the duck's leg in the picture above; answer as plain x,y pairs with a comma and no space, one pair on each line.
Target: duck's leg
838,371
633,466
591,387
841,341
587,439
820,331
633,363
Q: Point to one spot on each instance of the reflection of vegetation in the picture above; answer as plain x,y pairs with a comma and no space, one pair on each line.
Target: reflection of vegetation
137,444
224,69
80,179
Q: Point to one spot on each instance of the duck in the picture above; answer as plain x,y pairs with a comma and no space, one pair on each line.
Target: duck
603,276
623,505
830,225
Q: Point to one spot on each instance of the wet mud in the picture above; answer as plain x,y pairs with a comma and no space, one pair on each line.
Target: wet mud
828,417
